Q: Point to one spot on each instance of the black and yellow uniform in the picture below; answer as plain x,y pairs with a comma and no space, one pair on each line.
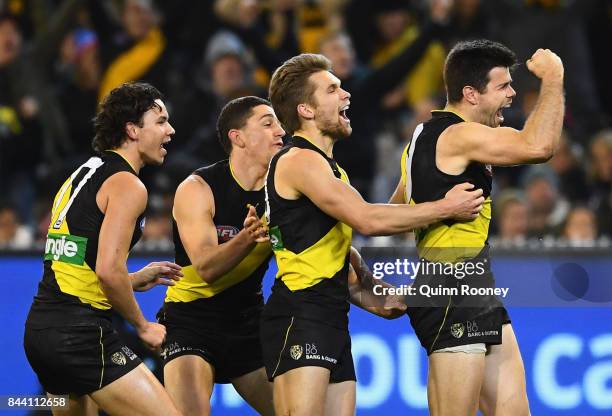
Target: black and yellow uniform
305,321
219,321
448,321
69,340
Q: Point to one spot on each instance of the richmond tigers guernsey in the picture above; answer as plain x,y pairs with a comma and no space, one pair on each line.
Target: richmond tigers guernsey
311,250
69,282
241,286
425,182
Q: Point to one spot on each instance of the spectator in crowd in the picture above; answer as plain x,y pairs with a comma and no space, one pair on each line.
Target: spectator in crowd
385,52
13,234
367,88
560,26
547,208
32,128
78,80
158,229
580,228
225,73
512,223
134,47
601,177
567,166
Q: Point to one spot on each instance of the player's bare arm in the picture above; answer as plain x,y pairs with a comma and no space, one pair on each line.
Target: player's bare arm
194,210
361,287
163,273
122,198
305,172
469,142
458,191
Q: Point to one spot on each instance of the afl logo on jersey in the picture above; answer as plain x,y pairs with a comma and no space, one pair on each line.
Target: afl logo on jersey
142,223
489,170
226,233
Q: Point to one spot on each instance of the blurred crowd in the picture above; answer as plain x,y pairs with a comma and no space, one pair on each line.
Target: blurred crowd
59,57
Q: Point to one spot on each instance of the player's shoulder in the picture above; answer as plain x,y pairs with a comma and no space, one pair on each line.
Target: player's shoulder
126,182
299,160
192,184
299,154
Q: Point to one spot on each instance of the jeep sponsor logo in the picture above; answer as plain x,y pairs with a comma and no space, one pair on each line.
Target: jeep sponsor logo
66,248
226,233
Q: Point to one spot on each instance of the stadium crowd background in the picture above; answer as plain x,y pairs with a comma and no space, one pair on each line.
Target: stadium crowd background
58,58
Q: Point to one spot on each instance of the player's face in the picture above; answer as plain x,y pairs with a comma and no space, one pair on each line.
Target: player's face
330,105
497,95
154,134
263,134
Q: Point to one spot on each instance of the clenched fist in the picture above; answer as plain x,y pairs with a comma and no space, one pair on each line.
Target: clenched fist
546,64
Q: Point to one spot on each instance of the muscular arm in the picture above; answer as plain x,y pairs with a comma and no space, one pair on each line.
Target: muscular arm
398,194
193,211
304,172
463,143
122,198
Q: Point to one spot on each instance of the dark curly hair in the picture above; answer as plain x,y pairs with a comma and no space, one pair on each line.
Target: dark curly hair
125,104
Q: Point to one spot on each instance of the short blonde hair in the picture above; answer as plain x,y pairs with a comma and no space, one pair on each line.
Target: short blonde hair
290,86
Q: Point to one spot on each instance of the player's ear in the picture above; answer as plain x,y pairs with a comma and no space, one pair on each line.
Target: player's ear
305,111
131,131
236,137
471,95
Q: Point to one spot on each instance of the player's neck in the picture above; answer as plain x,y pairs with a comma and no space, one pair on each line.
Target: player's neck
314,135
130,154
249,174
461,110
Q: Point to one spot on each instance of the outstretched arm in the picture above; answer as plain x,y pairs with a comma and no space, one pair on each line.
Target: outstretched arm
304,172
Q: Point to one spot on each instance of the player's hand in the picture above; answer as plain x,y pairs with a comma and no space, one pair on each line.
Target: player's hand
152,335
463,203
388,307
546,64
395,305
255,227
157,273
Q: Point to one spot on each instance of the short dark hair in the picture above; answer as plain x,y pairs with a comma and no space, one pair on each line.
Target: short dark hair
469,63
125,104
234,115
290,86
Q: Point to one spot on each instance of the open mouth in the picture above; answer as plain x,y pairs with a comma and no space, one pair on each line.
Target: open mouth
161,146
343,115
499,114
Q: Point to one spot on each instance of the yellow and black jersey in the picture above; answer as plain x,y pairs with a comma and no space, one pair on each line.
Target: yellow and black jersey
311,250
69,278
241,286
425,182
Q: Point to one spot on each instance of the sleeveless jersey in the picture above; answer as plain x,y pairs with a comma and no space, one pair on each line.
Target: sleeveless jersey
69,278
425,182
311,250
241,286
